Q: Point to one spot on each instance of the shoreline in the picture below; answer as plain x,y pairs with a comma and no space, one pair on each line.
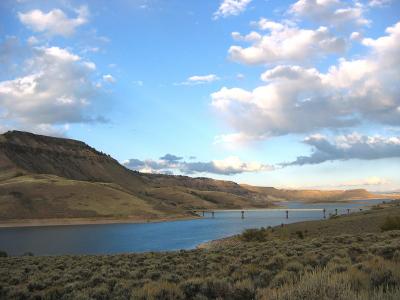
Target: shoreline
104,221
85,221
216,242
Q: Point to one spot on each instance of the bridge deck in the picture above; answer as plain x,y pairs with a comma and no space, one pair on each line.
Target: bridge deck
260,209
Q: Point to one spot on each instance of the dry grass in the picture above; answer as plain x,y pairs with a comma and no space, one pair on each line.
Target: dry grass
281,265
47,177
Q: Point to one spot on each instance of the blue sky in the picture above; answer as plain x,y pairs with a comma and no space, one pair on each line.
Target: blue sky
274,93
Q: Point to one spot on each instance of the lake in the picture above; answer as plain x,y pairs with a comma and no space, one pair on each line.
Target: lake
163,236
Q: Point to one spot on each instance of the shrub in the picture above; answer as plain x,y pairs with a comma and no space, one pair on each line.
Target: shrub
294,266
320,284
191,287
300,234
283,278
159,291
391,223
396,256
254,235
276,263
243,290
3,254
216,288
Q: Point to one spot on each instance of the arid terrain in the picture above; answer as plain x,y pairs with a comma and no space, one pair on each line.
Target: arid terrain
48,180
354,256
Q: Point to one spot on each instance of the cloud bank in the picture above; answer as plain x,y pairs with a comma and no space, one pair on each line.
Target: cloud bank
296,99
170,163
57,89
345,147
284,42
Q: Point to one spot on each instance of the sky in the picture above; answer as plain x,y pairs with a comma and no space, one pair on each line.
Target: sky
291,94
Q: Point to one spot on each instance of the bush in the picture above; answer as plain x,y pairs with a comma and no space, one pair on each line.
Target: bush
159,291
216,288
391,223
244,290
191,287
300,234
3,254
254,235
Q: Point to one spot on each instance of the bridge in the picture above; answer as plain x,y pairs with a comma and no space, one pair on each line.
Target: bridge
242,211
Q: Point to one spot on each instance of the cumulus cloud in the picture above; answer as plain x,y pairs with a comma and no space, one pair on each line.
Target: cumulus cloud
332,12
284,43
231,8
345,147
56,89
54,22
170,163
295,99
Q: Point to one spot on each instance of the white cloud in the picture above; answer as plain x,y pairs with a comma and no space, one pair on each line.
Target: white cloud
56,89
203,78
379,3
199,79
170,163
54,22
356,36
295,99
285,43
231,8
109,78
331,12
345,147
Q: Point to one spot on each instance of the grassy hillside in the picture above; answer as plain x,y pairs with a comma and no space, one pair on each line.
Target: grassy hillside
50,196
46,177
311,195
279,263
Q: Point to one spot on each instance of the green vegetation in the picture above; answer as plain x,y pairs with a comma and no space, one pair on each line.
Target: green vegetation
309,260
391,223
254,235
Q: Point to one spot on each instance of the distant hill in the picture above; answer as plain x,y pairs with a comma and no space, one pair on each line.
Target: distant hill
311,195
44,177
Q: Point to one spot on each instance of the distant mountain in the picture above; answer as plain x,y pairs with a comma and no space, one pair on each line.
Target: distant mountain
44,177
312,195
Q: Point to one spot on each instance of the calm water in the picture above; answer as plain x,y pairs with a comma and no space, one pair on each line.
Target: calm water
119,238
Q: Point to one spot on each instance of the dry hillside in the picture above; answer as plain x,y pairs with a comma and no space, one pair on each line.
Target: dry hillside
45,177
